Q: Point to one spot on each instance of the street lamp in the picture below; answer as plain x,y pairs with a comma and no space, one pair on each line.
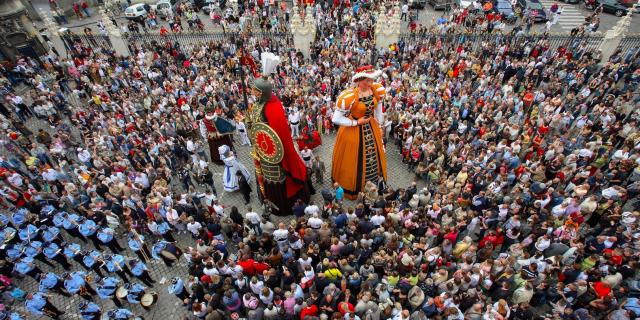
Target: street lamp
240,45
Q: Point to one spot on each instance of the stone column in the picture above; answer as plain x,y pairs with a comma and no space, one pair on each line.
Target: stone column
53,33
614,35
234,6
387,28
115,36
304,31
31,10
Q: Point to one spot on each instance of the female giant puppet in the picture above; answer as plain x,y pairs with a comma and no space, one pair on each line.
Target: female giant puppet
218,132
281,174
358,155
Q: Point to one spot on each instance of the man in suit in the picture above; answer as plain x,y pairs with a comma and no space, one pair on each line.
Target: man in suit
317,166
245,188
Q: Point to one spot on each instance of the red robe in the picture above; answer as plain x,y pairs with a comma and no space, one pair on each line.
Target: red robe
291,163
215,143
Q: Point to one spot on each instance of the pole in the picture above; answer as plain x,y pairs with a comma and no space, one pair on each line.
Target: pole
142,246
240,45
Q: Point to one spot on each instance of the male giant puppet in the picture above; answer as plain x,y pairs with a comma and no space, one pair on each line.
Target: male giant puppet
281,174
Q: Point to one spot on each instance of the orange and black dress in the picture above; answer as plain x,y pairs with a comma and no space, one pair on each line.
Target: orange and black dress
358,154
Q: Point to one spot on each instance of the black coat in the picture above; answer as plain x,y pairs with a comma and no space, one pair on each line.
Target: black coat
243,184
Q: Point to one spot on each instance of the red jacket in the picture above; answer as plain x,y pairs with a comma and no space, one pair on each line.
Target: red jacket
488,239
260,267
247,267
452,236
309,311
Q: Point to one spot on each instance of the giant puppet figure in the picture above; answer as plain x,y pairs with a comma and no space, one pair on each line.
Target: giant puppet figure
218,132
358,154
281,174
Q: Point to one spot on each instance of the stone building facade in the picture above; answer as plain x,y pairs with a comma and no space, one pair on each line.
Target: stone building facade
18,37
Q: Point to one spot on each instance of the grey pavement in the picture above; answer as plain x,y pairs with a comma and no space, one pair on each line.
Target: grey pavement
168,305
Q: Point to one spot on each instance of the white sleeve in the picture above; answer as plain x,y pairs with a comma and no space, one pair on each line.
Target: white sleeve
377,113
340,119
203,129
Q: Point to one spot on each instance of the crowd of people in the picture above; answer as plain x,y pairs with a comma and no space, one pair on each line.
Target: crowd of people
524,204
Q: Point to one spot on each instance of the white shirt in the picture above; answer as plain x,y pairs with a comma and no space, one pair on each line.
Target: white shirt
15,179
172,216
50,175
377,220
621,155
219,210
281,235
143,180
304,263
84,156
310,210
256,287
294,117
315,222
542,244
306,154
234,270
585,153
17,100
210,272
558,210
609,193
191,146
241,128
194,227
253,217
153,227
208,199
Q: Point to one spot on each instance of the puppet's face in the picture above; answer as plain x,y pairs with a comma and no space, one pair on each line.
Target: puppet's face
365,83
255,92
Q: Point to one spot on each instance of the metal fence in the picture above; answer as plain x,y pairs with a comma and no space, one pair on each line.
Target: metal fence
476,41
629,42
188,41
75,42
554,41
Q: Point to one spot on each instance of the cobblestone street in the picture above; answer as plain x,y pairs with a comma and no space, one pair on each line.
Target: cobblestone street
168,305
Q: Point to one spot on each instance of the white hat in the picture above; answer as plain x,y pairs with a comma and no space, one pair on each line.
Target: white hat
366,72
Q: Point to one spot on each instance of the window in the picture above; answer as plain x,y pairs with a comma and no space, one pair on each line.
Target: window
535,6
